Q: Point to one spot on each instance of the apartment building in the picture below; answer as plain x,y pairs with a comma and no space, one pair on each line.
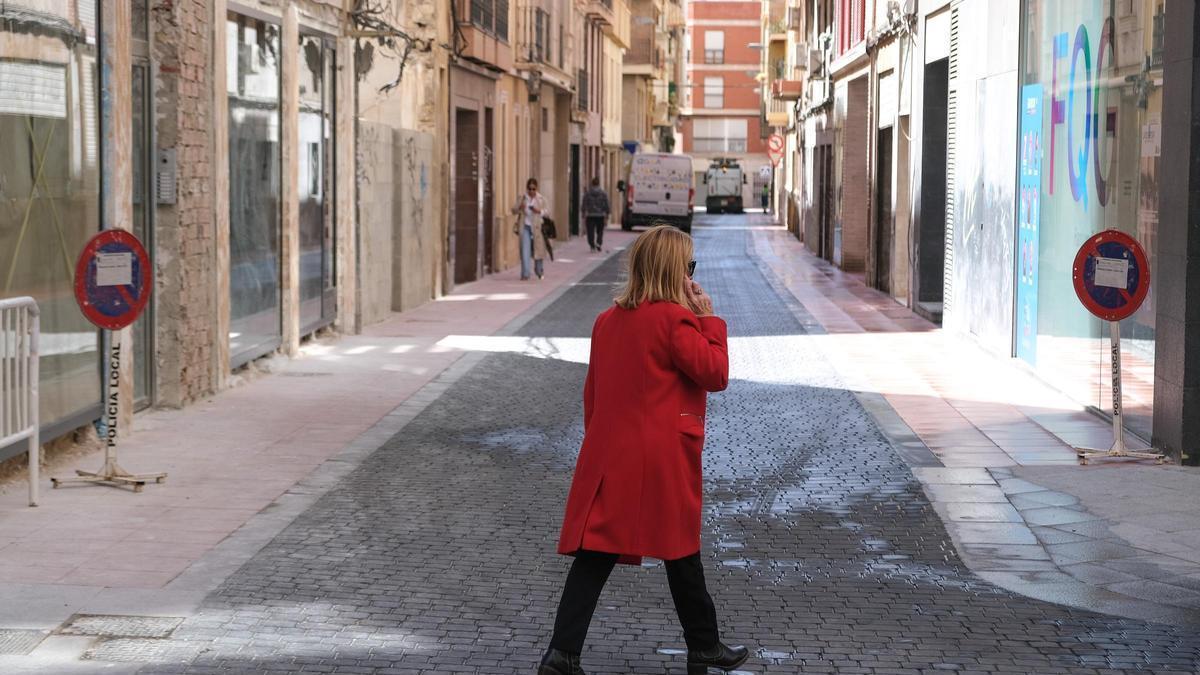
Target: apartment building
721,114
653,74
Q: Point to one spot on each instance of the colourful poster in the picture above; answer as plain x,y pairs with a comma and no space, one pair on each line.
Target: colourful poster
1029,190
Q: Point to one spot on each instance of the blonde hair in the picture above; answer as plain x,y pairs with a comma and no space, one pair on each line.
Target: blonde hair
657,266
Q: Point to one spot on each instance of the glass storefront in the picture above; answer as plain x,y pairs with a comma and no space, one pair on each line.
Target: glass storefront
1091,138
317,279
252,61
49,189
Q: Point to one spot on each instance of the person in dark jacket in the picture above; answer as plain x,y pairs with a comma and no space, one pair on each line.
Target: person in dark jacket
595,214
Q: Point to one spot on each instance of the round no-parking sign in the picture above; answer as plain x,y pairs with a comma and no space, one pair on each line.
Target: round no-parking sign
113,279
775,149
1111,275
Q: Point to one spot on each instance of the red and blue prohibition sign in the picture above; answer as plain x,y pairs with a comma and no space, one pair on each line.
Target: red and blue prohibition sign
1103,296
113,279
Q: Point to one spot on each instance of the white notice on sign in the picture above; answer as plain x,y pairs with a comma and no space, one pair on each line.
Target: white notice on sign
114,269
1112,273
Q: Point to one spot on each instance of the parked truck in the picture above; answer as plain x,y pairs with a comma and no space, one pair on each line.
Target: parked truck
724,180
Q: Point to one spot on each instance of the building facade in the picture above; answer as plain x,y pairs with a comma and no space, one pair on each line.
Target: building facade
721,114
653,74
958,154
292,167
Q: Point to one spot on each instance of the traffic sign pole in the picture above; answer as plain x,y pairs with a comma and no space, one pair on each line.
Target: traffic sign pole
1118,448
1112,277
112,285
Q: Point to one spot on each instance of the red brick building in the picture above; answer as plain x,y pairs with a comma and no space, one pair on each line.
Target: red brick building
721,115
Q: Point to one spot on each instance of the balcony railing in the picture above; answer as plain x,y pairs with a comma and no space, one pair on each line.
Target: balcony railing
484,25
490,16
534,34
787,90
620,30
675,17
641,45
776,113
602,10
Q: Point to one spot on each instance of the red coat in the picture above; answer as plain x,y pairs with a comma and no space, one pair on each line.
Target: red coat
637,486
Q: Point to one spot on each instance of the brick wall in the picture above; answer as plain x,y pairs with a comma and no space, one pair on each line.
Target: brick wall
724,10
185,245
737,41
754,144
738,90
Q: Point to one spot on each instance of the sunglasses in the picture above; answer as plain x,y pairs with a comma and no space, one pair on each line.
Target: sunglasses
691,268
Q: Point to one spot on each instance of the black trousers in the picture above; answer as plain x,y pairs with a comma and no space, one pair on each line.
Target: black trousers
595,231
586,579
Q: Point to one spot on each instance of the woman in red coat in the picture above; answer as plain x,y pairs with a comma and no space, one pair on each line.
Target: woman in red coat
637,486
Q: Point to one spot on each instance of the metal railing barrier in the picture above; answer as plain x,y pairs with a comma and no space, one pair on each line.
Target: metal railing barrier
20,330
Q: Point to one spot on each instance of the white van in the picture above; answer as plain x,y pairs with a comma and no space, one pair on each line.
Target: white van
659,189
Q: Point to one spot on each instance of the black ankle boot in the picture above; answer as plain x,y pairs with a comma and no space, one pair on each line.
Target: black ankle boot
721,656
558,662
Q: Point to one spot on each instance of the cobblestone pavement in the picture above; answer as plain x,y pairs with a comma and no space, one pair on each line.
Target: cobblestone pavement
436,554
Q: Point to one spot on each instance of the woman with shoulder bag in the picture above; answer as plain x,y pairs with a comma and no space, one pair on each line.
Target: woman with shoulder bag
637,487
530,208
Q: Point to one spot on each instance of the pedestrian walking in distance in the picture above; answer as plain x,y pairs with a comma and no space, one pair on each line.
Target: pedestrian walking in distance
529,209
595,214
766,197
655,355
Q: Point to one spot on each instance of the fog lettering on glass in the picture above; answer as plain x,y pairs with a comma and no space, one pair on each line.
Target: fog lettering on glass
1090,84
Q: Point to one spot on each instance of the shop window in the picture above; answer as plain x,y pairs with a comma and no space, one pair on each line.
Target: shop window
317,222
49,195
254,187
1091,141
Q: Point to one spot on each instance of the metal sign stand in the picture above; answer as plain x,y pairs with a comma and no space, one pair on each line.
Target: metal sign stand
1118,448
113,279
111,472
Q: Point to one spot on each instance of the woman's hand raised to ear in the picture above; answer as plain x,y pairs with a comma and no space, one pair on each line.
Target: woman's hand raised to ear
700,303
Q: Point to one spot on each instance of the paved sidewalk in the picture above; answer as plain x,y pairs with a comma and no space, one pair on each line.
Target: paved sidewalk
993,446
425,545
99,549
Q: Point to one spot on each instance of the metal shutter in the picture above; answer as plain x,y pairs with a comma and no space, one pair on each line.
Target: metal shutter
951,162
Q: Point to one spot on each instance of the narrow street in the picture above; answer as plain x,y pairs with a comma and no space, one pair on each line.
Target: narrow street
436,553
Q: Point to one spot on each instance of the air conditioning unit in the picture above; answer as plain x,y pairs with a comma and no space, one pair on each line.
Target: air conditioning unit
893,11
795,17
815,60
801,58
